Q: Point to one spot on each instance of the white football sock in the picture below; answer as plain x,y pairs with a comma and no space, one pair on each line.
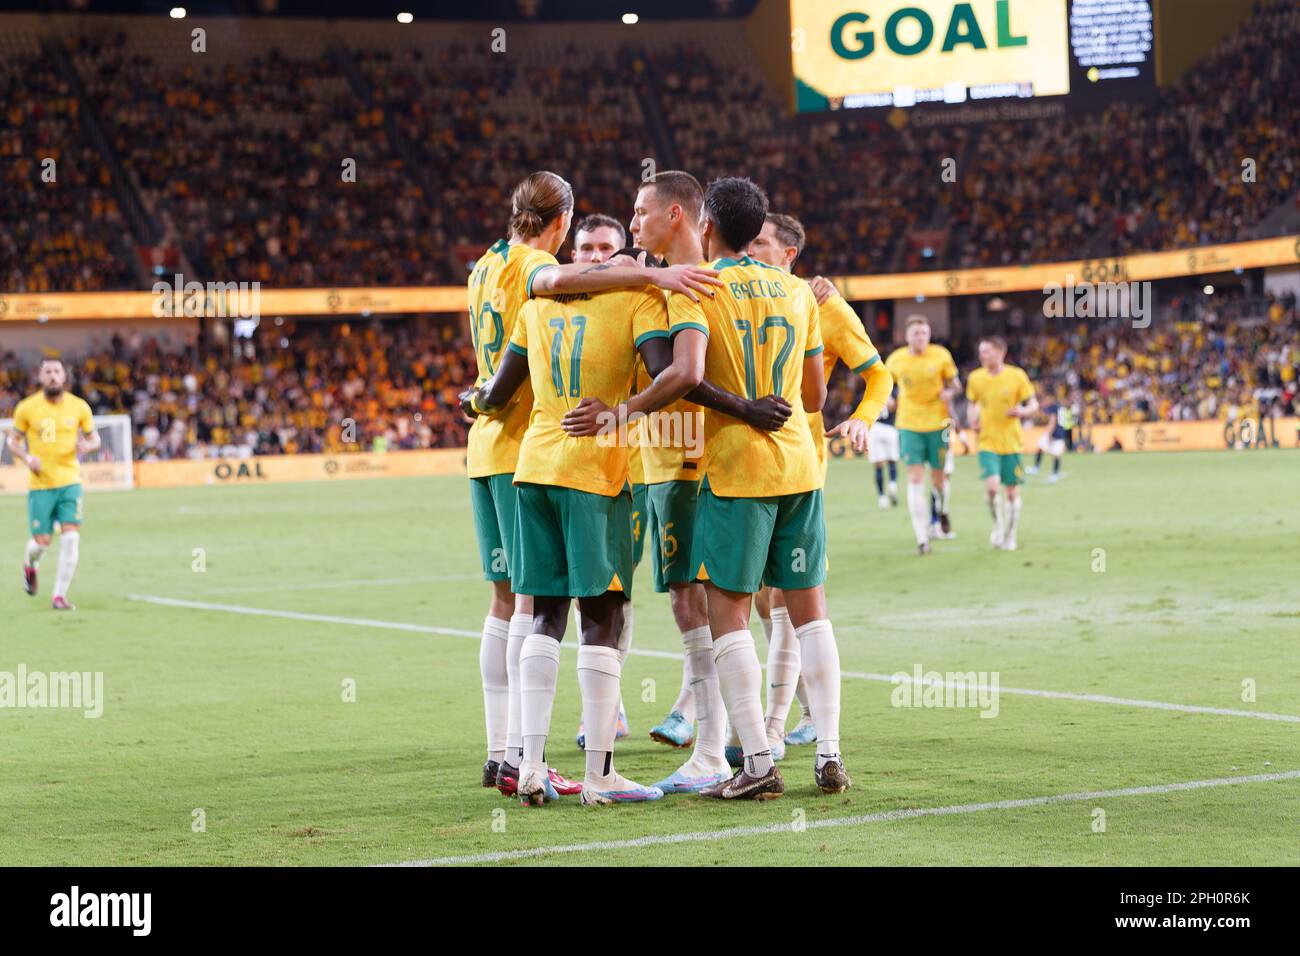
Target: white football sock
34,553
496,683
740,679
69,549
766,622
999,516
801,692
624,646
706,693
599,669
539,670
782,671
918,505
1013,516
685,702
943,497
521,625
821,672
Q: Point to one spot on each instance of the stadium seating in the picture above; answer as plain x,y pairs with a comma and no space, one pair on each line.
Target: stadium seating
398,386
237,158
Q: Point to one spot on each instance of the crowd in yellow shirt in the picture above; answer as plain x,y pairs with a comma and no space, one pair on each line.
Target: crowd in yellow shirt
1189,370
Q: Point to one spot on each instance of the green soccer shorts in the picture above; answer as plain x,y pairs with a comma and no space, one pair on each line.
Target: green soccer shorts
571,543
640,522
744,543
922,448
45,506
671,508
1006,468
492,499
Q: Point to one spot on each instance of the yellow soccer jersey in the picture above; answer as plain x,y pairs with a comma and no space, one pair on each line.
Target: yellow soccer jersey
663,457
996,395
498,287
847,341
581,346
921,379
635,466
762,324
51,430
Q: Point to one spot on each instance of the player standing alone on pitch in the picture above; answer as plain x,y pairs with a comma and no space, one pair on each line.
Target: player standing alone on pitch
1060,422
927,381
1000,396
57,427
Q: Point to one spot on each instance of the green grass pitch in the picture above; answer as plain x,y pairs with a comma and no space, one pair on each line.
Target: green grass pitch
242,717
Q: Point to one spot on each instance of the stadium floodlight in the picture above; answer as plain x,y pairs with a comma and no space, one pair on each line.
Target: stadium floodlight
630,18
1208,290
178,13
405,18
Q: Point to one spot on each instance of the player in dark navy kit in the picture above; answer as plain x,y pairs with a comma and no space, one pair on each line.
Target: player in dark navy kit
1060,422
882,450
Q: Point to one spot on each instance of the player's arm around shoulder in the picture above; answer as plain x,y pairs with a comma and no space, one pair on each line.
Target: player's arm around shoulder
619,273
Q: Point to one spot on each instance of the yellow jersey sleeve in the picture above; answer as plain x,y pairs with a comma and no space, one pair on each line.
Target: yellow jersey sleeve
519,338
685,313
649,319
1026,387
845,338
531,262
949,366
815,344
22,419
499,285
87,418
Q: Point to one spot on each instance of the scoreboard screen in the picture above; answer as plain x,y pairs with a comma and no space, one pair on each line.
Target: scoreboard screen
855,54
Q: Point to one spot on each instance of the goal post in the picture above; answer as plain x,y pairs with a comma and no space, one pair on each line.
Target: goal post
109,469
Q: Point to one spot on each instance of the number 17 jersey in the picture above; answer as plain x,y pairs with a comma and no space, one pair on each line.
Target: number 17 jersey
762,323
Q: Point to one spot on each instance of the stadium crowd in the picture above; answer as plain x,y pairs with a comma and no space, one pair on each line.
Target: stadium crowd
239,160
1201,361
60,227
297,386
309,387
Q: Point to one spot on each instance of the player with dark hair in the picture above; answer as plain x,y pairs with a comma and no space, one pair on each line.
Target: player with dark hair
760,509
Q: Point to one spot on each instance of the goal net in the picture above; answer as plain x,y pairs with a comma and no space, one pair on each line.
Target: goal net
108,469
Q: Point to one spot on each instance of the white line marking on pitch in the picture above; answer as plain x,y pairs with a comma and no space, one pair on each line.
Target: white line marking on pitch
711,836
330,585
671,655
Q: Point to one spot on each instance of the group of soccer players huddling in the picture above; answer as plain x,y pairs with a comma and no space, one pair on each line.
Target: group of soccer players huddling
596,380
